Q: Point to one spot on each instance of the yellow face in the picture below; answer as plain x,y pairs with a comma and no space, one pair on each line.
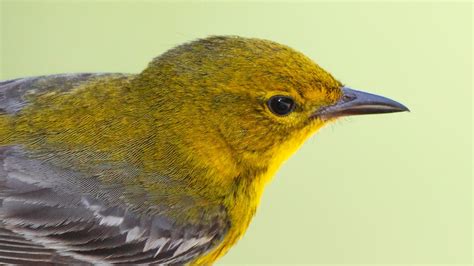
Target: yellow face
258,94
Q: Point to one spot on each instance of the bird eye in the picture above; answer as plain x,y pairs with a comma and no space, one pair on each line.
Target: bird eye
281,105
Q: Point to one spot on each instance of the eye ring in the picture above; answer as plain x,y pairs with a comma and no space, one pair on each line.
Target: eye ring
281,105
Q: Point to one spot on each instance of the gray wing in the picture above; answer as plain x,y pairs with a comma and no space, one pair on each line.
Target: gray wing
46,216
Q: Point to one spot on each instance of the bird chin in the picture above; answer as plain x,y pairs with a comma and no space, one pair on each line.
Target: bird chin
322,119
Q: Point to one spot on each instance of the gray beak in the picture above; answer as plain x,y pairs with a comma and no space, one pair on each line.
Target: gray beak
355,102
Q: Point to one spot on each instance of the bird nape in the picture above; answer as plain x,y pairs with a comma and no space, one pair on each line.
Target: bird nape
162,167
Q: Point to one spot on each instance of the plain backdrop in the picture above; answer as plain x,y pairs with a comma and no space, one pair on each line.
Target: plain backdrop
386,189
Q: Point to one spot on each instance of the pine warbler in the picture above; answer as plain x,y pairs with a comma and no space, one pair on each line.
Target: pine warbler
166,166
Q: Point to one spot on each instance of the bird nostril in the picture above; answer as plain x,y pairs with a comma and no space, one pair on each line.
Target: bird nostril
348,98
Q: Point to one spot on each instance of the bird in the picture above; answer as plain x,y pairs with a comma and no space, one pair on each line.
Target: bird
165,166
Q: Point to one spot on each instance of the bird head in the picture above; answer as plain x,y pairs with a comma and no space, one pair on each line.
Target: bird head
257,99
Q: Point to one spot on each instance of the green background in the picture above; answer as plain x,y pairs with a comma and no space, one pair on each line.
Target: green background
393,189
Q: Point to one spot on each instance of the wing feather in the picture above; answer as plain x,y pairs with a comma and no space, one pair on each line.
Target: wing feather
40,223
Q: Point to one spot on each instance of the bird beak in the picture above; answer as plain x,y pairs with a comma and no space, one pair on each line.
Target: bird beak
355,102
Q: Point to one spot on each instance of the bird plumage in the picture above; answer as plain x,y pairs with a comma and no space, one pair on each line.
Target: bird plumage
42,222
162,167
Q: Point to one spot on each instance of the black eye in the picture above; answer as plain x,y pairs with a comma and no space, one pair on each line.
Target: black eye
281,105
